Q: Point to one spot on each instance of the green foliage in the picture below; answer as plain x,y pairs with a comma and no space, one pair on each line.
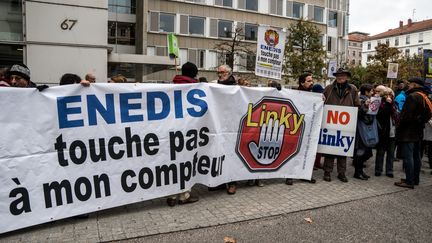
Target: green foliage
303,50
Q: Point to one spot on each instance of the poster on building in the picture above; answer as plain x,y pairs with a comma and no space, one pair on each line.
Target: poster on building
338,130
427,55
392,70
71,150
332,66
270,52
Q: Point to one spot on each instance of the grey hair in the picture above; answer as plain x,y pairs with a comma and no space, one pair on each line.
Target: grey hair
227,68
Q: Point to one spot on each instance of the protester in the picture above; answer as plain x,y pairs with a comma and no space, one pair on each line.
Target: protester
243,82
363,150
387,118
202,80
274,84
90,77
401,86
19,76
4,82
188,73
119,78
70,78
400,99
342,93
305,83
409,132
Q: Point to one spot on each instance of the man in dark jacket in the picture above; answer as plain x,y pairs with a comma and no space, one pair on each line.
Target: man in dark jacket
409,132
342,93
225,76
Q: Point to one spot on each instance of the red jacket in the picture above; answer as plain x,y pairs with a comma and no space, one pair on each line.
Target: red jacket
179,79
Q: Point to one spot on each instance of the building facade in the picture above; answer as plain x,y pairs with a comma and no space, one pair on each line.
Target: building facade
354,52
107,37
411,39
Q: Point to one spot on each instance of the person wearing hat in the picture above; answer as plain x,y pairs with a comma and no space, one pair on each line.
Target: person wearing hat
19,76
409,132
341,93
188,73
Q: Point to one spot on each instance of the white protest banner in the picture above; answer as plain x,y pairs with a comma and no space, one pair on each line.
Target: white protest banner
71,150
392,70
270,52
332,65
374,105
338,130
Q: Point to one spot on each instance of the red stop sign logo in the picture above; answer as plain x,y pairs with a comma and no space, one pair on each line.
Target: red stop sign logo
270,134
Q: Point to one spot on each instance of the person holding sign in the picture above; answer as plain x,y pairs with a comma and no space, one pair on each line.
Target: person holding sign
342,93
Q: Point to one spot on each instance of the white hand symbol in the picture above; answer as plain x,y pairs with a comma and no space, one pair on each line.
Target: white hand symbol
270,143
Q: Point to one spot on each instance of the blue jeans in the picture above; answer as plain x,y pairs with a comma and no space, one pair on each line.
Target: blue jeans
412,161
379,160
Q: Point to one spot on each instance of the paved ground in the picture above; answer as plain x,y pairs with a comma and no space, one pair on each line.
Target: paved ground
218,208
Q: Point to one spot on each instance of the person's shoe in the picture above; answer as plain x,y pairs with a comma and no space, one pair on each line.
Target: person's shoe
364,175
190,199
251,182
327,176
231,189
403,184
259,183
217,188
416,183
289,181
312,181
377,173
360,177
342,178
171,202
390,175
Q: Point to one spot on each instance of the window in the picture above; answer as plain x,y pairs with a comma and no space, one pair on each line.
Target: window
369,57
225,29
10,54
11,20
197,57
369,46
276,6
329,44
420,51
250,62
166,22
225,3
353,53
332,19
420,38
378,42
248,5
359,54
196,1
122,6
352,62
297,10
318,14
251,32
407,52
407,39
396,41
388,42
196,25
121,33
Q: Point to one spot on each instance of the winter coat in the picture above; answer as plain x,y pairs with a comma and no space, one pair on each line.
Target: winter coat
180,79
386,112
414,115
344,95
400,100
229,81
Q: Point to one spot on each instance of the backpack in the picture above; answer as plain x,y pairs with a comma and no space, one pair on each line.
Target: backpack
426,101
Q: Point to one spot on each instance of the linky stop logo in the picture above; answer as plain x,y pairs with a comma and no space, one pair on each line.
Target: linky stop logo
270,134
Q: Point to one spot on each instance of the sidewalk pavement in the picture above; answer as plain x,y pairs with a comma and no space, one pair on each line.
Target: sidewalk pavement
215,208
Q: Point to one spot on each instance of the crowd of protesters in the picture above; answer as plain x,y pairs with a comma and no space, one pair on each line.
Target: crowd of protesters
400,128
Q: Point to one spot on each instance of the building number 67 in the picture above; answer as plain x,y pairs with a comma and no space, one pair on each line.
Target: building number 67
68,24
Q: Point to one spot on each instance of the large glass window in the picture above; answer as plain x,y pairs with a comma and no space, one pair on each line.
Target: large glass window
407,40
11,20
297,10
10,54
120,33
251,32
166,22
226,3
318,14
332,19
225,28
122,6
396,41
420,38
196,25
248,4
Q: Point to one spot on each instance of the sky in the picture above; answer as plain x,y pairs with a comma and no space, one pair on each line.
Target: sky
377,16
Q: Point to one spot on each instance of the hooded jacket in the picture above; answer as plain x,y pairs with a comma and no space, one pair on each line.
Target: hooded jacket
180,79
